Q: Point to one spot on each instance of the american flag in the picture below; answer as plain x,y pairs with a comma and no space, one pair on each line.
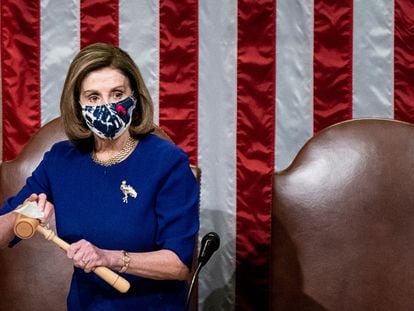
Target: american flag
239,85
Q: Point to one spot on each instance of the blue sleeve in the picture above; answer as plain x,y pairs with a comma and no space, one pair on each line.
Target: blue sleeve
178,209
37,183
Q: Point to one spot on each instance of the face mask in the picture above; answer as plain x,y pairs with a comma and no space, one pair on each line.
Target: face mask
109,121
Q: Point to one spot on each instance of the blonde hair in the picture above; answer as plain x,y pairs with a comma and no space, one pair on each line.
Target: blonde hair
94,57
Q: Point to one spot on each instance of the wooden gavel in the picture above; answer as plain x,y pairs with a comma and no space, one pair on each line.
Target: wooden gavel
25,227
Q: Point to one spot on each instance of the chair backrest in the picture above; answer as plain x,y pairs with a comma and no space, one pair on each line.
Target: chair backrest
343,221
35,275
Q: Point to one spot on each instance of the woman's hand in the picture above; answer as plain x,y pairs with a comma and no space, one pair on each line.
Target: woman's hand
43,205
7,221
158,265
87,256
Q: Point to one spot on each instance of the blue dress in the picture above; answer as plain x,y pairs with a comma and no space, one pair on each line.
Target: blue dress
89,204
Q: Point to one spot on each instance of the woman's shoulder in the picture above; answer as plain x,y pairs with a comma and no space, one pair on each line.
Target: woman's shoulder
161,148
64,148
157,142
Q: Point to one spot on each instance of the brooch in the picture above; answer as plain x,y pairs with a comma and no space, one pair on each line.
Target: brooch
127,190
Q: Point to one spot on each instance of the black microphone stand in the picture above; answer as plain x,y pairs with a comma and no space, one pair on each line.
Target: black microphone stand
209,244
193,279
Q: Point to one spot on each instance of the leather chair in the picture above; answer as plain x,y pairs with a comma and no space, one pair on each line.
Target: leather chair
35,274
343,221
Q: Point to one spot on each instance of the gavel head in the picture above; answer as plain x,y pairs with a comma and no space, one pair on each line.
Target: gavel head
25,227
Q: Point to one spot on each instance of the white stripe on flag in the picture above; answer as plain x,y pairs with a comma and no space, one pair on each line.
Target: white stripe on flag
373,59
217,146
139,36
59,39
294,78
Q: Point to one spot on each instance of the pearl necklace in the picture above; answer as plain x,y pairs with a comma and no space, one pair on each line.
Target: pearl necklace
119,156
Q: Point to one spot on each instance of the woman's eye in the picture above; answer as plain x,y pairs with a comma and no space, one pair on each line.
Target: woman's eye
118,95
93,99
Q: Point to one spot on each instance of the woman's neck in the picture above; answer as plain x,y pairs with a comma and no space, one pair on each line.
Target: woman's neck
105,149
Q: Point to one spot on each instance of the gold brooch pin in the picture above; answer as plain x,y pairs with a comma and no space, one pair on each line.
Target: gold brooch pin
127,190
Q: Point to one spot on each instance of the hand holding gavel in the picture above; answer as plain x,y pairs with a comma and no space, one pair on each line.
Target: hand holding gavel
25,227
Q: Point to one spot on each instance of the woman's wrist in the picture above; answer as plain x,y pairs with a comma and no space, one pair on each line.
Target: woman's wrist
118,260
126,259
113,259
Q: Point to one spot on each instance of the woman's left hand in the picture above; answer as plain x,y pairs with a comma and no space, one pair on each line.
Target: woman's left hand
86,256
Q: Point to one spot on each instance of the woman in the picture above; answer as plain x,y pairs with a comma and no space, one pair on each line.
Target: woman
123,197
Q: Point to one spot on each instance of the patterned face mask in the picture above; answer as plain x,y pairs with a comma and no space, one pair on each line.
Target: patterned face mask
109,121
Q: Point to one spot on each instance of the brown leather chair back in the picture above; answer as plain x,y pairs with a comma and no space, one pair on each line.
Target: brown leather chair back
35,274
343,221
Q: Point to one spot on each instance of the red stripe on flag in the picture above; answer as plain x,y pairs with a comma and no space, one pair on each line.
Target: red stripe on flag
178,89
255,150
99,22
332,62
20,58
404,61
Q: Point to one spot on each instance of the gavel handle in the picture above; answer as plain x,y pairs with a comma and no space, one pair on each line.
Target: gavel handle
109,276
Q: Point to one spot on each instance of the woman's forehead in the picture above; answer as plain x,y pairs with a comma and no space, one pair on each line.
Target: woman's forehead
106,77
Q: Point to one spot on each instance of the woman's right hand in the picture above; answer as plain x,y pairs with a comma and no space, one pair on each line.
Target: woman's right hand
43,205
7,221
